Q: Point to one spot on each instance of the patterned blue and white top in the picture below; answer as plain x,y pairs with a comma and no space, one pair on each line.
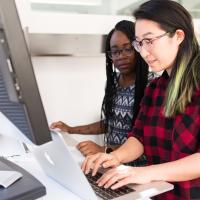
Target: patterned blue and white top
121,123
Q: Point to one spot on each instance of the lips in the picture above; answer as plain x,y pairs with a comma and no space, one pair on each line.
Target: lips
124,67
150,62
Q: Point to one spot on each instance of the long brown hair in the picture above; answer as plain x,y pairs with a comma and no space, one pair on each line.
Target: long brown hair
185,75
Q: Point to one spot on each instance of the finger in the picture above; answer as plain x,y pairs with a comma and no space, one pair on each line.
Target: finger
91,153
85,149
90,163
82,144
101,159
53,125
83,165
82,148
110,163
105,178
87,152
122,182
57,124
114,179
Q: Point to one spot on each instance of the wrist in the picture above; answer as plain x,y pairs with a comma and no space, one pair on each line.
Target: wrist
71,130
153,173
103,149
114,153
108,149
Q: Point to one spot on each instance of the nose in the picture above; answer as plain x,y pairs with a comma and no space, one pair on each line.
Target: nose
122,54
144,53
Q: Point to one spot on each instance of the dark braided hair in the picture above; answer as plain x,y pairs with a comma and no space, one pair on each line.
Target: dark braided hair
141,74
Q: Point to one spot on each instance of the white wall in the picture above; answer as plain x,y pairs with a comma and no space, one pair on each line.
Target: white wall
71,88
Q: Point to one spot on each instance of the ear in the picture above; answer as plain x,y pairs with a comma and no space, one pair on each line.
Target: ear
180,35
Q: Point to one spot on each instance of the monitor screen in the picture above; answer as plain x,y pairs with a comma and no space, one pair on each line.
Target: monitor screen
20,100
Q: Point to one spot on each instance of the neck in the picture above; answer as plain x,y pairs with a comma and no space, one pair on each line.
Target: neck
125,80
169,71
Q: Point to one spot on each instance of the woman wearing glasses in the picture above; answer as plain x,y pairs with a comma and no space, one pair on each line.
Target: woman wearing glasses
124,90
167,128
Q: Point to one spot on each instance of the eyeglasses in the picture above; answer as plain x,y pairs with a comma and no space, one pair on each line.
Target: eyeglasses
115,54
146,43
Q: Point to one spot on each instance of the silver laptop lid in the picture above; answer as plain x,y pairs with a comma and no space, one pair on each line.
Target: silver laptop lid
66,171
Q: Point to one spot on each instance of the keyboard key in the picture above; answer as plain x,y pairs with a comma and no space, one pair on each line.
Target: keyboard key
108,193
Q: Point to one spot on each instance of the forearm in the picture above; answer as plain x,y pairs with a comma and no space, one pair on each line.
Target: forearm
90,129
180,170
129,151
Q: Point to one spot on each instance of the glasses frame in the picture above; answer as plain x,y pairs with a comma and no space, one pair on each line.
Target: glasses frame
120,51
139,44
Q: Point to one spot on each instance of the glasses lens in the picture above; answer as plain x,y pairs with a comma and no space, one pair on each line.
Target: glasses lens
115,54
135,44
128,51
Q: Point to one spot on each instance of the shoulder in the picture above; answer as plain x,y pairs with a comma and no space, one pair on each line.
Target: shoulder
156,82
156,78
196,97
153,80
197,91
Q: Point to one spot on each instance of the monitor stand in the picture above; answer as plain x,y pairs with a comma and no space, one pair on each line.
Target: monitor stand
16,183
24,187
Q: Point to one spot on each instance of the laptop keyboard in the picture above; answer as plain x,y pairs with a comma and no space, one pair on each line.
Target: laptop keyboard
106,193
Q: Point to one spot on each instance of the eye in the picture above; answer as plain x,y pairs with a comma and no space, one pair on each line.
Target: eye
128,49
115,52
147,41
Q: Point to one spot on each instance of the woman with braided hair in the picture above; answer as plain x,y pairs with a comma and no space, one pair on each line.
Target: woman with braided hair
123,93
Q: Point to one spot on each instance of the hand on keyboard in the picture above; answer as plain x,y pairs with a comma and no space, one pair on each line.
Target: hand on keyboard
98,160
106,193
123,175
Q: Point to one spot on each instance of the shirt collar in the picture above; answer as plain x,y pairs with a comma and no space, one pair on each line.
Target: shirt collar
165,75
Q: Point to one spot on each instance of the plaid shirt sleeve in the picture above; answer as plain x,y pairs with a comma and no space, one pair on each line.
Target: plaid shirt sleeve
186,133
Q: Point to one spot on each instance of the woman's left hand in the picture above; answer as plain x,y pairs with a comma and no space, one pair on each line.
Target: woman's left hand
123,175
90,148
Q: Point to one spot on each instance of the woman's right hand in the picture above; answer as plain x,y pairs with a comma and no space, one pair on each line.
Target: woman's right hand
98,160
62,126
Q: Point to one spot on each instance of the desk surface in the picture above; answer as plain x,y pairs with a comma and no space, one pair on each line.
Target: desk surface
12,149
54,190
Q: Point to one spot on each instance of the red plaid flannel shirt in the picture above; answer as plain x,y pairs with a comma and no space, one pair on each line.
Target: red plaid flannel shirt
169,139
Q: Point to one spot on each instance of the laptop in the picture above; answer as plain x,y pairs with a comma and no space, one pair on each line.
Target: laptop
60,160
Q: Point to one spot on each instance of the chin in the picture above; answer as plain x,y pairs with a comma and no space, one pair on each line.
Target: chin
125,71
155,69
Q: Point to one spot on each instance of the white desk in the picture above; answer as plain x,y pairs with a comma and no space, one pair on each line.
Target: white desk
57,191
14,151
54,190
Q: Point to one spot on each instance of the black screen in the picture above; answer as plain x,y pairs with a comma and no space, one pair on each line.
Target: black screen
20,100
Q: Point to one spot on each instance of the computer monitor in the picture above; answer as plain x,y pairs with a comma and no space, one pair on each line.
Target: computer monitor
20,100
